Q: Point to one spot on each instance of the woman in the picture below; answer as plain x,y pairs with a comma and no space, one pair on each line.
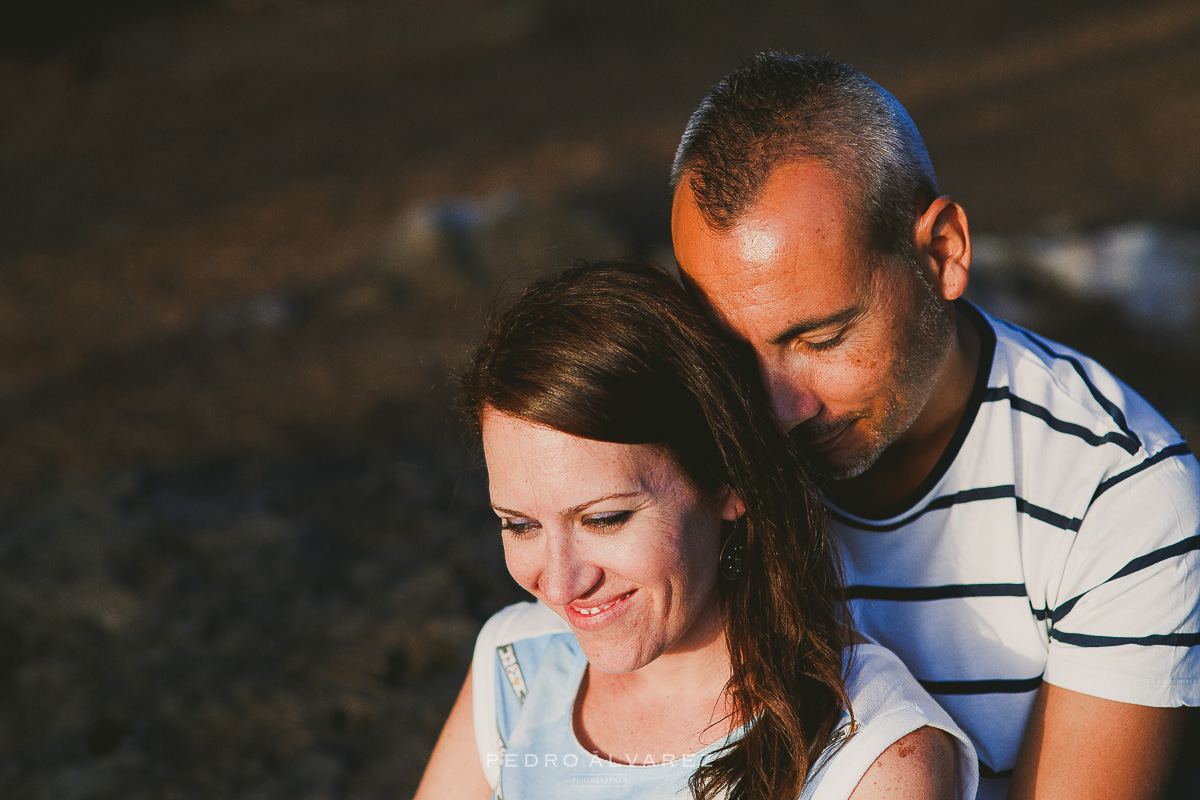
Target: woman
687,638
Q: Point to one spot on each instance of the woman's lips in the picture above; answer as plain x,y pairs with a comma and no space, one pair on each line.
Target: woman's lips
593,615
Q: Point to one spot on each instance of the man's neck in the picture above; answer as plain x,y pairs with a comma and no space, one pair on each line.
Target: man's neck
909,461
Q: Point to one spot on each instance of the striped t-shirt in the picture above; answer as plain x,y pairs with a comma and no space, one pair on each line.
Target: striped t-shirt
1057,540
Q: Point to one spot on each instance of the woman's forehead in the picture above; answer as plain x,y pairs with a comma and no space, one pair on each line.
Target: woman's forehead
532,463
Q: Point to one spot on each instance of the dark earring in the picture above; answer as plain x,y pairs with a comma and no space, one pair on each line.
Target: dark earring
732,562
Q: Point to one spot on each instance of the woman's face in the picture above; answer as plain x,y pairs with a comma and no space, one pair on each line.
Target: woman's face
613,537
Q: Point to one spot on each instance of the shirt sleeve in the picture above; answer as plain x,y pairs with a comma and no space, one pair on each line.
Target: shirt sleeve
483,701
1126,625
888,705
494,663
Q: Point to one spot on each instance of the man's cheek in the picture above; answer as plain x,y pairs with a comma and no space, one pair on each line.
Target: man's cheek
844,385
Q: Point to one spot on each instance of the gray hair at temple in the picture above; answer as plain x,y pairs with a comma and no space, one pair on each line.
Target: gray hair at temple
776,108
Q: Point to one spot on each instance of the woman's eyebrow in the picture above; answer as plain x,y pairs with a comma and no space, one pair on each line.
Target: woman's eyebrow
570,512
573,510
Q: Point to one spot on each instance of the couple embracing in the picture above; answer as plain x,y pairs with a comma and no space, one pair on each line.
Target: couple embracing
809,524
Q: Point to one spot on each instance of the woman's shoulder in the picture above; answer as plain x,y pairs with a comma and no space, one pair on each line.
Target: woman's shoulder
510,651
516,641
921,765
888,705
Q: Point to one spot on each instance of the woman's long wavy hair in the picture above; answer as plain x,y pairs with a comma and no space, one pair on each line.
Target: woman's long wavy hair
618,352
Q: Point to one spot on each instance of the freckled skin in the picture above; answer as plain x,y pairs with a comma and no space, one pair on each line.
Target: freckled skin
919,766
851,344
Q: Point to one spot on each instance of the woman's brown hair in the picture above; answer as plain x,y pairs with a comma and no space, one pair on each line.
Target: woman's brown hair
618,352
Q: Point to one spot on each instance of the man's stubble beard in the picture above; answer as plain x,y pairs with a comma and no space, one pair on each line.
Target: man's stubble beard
920,357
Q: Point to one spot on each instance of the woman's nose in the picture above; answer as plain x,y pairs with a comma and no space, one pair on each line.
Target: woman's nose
567,573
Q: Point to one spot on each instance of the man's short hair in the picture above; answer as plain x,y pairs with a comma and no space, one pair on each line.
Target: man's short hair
777,108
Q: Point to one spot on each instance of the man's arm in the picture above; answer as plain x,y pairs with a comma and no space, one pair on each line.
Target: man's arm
1079,747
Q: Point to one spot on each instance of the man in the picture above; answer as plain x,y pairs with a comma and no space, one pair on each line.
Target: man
1016,523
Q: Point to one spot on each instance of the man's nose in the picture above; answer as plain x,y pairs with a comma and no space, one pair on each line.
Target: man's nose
792,397
567,574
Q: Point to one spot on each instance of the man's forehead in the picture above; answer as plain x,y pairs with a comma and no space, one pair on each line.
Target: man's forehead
794,258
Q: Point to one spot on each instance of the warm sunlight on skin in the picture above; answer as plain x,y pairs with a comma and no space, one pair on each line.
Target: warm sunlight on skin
617,541
613,537
845,360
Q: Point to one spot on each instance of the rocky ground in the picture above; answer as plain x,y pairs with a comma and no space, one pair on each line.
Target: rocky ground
243,547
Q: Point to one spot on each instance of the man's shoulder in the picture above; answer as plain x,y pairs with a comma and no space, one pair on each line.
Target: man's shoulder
1072,400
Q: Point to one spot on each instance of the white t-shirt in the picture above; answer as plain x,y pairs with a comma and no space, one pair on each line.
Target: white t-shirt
1056,540
525,678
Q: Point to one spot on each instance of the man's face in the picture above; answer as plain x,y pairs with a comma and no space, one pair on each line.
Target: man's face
849,342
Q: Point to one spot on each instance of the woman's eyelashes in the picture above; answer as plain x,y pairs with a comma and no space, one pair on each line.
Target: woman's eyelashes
606,520
518,527
522,527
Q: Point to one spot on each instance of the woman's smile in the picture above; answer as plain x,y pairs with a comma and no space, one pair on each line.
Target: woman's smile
593,616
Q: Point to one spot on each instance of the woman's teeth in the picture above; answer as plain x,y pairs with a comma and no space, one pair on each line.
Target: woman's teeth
594,610
587,612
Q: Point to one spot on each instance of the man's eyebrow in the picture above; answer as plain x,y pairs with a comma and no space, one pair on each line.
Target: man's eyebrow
573,510
809,325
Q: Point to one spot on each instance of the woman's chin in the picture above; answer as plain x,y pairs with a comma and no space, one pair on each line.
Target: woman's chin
613,661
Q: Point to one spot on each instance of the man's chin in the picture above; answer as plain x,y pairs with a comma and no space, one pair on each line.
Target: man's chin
835,465
832,465
828,469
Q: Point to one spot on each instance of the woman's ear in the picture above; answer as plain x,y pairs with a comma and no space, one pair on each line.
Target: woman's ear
732,506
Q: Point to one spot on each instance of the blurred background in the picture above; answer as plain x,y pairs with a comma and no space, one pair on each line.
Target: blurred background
244,548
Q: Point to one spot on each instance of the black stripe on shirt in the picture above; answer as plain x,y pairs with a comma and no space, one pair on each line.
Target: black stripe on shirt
1164,639
1173,451
1161,554
1136,565
1047,516
1065,608
968,496
998,393
989,686
1109,406
937,503
921,593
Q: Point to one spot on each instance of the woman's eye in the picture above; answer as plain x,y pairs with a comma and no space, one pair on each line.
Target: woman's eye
518,527
607,519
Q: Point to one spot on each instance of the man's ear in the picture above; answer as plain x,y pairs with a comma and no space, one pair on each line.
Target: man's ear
732,506
943,246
